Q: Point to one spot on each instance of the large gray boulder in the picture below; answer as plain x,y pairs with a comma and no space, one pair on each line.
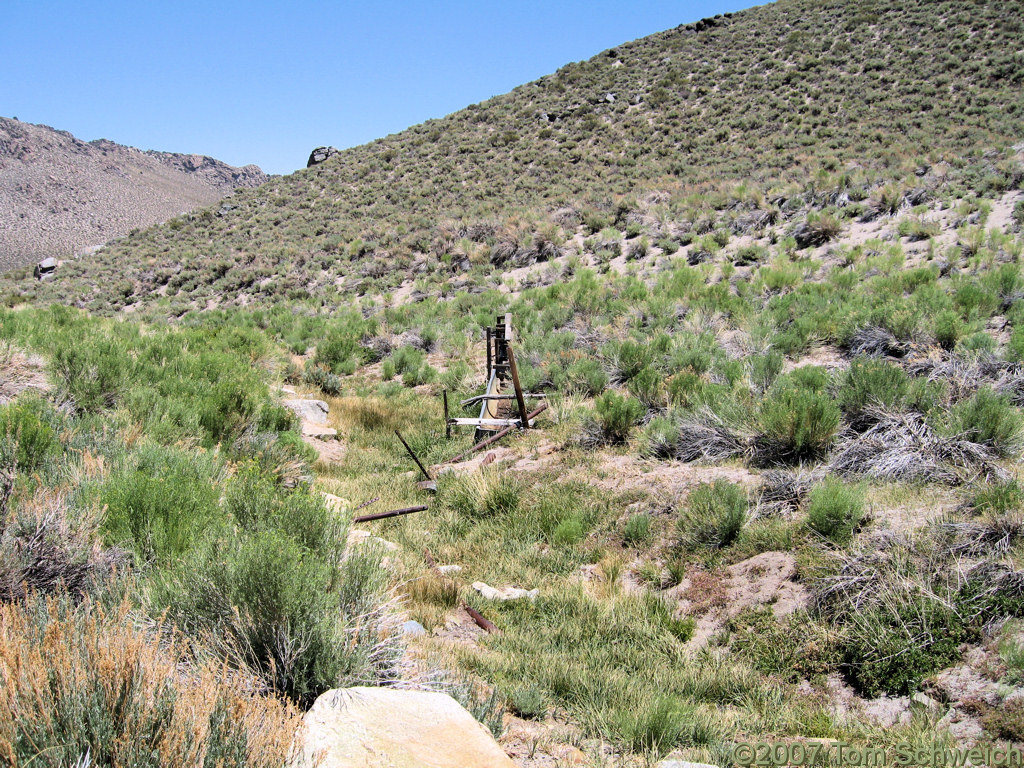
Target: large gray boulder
312,411
320,154
389,728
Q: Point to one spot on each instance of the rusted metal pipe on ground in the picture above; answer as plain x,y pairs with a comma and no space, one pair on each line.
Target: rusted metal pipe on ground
392,513
495,437
484,624
474,614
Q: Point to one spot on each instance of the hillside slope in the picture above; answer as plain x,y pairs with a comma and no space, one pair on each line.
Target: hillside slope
60,195
751,111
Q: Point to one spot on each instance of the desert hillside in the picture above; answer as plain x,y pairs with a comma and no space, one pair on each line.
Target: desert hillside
60,196
760,473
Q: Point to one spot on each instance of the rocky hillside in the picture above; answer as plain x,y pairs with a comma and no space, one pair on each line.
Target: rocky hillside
60,195
752,113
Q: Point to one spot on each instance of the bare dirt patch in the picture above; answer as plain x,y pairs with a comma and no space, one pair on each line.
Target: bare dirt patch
767,579
664,479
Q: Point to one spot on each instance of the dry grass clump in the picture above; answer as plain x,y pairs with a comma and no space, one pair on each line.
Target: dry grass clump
86,686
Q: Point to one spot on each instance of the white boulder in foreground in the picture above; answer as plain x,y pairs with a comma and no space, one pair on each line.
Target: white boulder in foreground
389,728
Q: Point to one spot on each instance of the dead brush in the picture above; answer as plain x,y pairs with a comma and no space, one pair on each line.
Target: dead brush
703,436
46,546
874,341
989,538
903,446
783,491
964,375
867,578
990,584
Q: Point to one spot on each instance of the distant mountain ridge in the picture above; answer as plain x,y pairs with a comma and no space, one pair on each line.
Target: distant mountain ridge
60,195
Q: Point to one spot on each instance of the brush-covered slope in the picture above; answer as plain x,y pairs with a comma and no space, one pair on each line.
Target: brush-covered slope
752,110
60,195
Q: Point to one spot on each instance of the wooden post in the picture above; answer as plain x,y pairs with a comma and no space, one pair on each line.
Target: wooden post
520,400
447,424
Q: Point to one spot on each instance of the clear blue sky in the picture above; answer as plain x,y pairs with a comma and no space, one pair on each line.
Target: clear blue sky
265,82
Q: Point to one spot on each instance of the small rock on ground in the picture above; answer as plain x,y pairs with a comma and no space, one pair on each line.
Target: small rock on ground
504,593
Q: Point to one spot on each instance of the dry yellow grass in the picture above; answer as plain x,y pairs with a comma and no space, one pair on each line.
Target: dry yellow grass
82,680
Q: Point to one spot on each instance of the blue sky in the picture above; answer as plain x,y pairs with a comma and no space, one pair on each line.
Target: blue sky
265,82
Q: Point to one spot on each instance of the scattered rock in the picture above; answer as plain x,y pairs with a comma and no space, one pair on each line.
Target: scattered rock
45,268
389,728
320,433
356,537
963,683
413,628
966,732
314,411
320,154
924,700
888,711
446,569
336,503
504,593
329,451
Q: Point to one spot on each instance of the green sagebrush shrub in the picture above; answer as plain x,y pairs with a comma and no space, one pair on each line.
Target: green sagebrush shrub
989,419
28,434
797,422
617,415
267,589
160,501
871,382
714,515
835,510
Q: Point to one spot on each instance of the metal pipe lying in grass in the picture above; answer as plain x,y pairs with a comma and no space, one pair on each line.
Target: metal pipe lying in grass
392,513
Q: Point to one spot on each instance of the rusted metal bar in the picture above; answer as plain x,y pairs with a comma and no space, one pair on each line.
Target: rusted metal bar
481,622
430,559
447,423
497,436
487,376
520,400
392,513
414,457
366,503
